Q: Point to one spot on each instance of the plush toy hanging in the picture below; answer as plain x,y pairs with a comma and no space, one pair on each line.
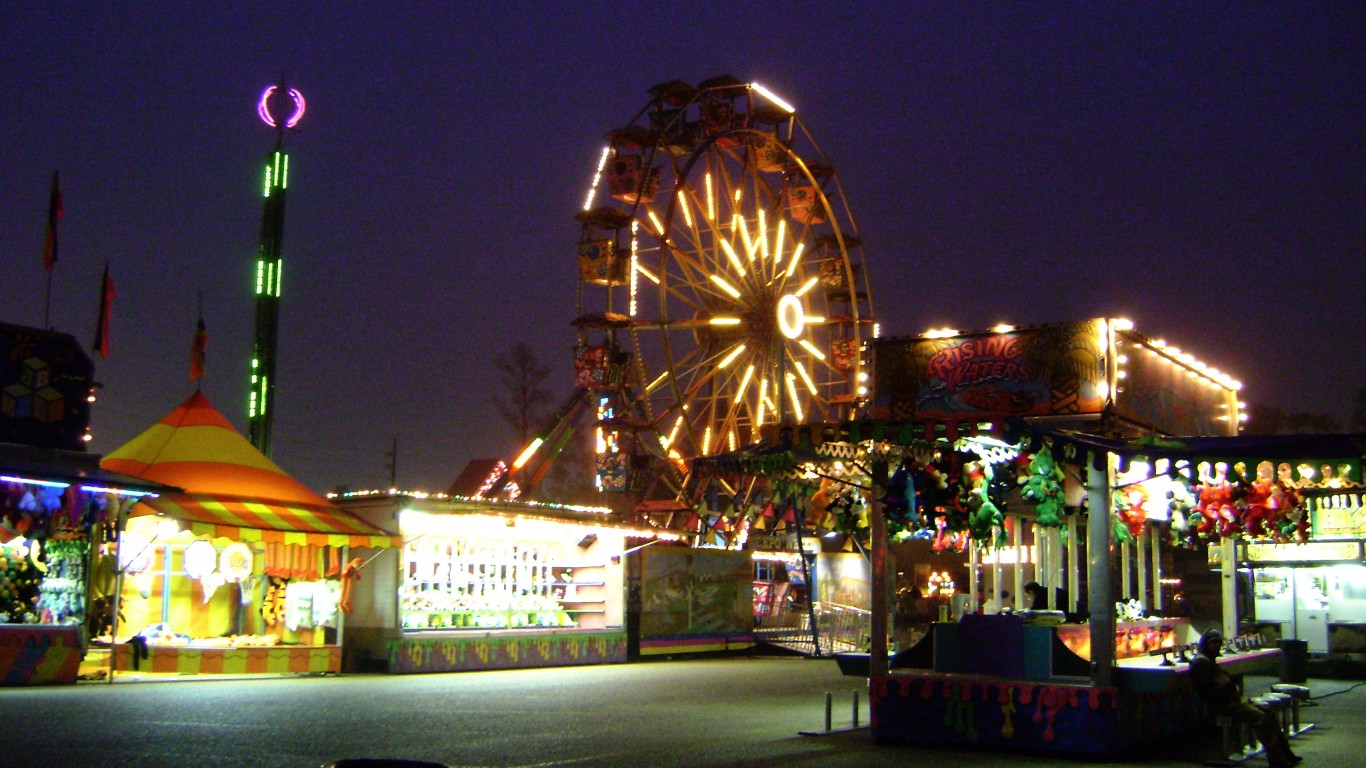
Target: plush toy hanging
1043,488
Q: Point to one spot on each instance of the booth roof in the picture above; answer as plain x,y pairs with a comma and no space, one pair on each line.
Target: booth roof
229,487
69,467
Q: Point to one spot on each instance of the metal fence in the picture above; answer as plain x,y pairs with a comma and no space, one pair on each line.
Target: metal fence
838,628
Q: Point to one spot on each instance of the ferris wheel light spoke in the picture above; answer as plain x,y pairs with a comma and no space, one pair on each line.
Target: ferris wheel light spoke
711,198
809,347
808,285
730,358
597,177
652,277
706,441
732,440
796,258
724,321
767,94
654,219
744,382
763,236
778,241
806,377
734,259
683,206
796,401
725,286
738,222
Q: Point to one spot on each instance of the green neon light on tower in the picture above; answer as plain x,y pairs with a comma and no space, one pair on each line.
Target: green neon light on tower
281,108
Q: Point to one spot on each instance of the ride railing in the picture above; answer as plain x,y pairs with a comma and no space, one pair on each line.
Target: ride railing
839,628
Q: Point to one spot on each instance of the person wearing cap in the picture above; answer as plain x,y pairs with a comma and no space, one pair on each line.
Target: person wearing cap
1221,694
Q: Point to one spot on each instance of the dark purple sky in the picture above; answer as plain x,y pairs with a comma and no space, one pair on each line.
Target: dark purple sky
1195,167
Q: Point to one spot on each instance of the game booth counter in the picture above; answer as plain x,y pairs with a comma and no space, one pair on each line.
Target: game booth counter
59,516
242,571
989,446
490,584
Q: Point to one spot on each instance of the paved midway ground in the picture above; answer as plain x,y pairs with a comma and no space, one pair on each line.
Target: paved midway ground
725,713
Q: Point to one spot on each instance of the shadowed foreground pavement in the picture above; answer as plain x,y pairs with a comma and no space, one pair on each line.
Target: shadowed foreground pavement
729,713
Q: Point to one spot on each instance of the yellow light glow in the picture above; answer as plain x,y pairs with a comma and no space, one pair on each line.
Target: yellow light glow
796,258
738,222
1003,328
711,199
806,377
1123,324
737,196
732,440
652,277
941,333
744,382
597,177
763,236
806,286
724,321
687,212
659,225
706,441
528,453
763,398
734,258
730,358
767,94
635,250
673,433
778,241
809,347
792,392
725,286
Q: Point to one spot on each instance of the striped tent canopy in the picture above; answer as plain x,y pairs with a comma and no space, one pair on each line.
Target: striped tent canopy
229,488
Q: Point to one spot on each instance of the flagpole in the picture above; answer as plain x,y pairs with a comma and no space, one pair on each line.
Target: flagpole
47,305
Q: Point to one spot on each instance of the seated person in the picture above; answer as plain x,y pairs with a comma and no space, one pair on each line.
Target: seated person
1221,694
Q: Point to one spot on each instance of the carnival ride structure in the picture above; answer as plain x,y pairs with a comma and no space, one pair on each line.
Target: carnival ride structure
722,292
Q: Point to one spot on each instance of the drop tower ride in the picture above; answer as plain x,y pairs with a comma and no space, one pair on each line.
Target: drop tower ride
280,108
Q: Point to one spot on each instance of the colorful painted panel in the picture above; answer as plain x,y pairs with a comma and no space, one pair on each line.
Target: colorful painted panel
1026,717
187,660
692,592
39,655
1159,394
463,654
1038,371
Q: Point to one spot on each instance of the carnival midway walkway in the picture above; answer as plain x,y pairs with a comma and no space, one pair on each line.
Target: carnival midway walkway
725,713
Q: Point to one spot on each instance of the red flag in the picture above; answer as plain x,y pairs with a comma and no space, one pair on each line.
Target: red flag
106,312
54,215
197,349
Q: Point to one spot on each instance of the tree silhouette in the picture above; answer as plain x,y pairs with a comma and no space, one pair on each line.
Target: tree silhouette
525,398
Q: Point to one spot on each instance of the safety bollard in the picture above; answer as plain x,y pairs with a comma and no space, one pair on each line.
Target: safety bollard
829,700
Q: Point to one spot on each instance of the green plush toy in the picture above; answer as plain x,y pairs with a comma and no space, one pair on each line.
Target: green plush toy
1043,488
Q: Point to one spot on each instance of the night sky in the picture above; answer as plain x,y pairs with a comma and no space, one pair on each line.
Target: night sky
1195,167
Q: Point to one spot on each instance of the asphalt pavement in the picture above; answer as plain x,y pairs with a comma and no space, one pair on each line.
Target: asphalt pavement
727,713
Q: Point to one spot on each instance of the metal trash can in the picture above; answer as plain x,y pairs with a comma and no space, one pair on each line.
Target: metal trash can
1294,661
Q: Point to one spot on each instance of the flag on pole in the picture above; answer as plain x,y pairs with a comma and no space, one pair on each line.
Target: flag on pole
197,348
54,215
106,312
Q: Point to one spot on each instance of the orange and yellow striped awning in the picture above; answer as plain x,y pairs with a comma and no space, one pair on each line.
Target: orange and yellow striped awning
247,519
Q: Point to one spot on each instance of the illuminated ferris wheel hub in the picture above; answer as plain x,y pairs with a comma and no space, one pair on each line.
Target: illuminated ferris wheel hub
722,286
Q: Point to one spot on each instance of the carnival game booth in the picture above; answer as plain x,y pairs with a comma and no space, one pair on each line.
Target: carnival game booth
243,571
984,447
490,584
58,509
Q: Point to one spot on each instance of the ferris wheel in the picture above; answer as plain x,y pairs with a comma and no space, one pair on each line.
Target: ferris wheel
722,287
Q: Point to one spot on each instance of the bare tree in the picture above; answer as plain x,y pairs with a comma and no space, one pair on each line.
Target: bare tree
525,397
